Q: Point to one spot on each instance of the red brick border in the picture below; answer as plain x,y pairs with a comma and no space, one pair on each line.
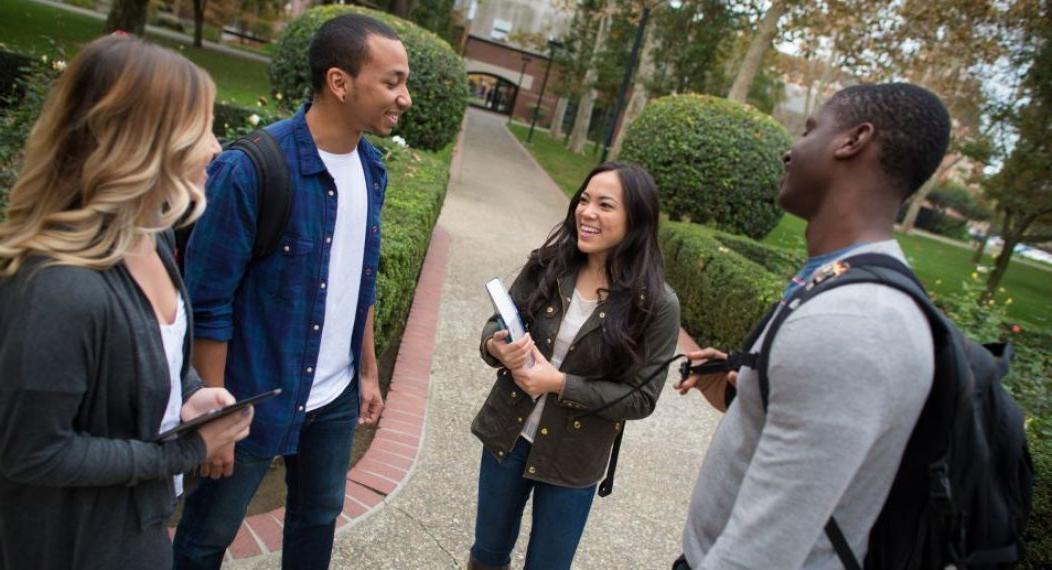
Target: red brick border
389,462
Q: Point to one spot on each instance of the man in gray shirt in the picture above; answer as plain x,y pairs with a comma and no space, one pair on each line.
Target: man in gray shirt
849,371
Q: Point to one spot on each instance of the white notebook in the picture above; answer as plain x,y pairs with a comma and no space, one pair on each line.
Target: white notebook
507,311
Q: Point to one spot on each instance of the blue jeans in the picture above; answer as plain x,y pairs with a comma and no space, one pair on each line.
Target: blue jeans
315,477
559,514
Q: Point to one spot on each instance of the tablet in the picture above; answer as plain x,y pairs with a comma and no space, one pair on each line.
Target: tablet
213,415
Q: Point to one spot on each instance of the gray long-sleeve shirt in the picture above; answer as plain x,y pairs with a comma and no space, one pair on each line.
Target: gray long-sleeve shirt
84,383
849,372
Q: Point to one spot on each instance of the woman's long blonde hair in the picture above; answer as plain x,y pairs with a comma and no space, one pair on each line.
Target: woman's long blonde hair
112,157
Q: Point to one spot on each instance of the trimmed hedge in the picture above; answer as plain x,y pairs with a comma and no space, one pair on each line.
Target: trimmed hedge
416,189
782,262
722,294
715,161
437,82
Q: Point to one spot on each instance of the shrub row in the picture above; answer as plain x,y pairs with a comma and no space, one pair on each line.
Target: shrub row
437,79
722,293
416,189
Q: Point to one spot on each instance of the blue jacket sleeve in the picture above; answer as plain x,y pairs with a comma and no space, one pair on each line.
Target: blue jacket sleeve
220,246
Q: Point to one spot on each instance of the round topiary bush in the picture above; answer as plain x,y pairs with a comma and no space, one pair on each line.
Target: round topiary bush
437,79
715,161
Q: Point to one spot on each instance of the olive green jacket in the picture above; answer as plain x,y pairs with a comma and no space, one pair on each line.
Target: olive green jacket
571,447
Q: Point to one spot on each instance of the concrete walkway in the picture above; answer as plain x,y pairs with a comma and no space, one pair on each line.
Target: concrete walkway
500,206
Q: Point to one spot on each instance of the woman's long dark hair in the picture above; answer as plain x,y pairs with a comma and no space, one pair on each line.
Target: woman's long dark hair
634,271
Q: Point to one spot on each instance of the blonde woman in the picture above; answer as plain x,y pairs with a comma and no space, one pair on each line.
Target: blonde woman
94,351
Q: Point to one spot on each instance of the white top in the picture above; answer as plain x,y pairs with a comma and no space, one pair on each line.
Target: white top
335,369
173,336
577,313
850,371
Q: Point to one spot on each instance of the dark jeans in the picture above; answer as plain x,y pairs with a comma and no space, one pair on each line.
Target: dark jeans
315,477
559,514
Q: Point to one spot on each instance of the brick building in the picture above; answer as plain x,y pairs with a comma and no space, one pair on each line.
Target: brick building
507,79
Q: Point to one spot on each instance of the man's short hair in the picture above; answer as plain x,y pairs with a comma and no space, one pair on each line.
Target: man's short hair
343,42
911,124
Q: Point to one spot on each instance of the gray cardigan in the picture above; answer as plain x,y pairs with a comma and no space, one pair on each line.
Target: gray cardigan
84,383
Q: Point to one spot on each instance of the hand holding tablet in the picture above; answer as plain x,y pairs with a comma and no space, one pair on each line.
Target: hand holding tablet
212,415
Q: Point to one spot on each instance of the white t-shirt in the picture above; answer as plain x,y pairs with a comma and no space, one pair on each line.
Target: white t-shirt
335,368
173,336
576,314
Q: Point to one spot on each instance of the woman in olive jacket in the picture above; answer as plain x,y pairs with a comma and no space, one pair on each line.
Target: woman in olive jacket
603,326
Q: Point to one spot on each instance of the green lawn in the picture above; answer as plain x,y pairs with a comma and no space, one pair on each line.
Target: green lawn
566,168
942,267
27,27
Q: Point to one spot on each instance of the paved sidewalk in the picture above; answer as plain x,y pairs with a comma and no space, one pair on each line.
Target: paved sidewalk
500,206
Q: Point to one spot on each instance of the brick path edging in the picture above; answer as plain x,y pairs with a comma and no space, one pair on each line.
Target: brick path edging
389,461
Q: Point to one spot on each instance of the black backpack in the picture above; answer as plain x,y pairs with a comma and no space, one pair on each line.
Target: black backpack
962,493
275,194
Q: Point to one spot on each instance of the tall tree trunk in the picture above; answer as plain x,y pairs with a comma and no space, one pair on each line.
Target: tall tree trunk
199,22
1011,239
559,116
754,57
583,120
128,16
640,94
917,201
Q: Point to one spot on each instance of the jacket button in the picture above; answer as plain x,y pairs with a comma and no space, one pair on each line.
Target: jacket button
331,193
549,340
310,369
520,419
544,431
571,347
376,185
532,469
577,425
286,249
514,394
602,315
617,426
500,454
322,284
368,271
549,310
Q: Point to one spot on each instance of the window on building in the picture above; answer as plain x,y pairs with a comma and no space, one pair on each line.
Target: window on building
501,29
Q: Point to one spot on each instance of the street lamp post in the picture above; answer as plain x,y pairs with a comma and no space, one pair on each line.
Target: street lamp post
622,93
626,80
552,45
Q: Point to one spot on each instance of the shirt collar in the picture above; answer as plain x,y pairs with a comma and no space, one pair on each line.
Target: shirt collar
310,160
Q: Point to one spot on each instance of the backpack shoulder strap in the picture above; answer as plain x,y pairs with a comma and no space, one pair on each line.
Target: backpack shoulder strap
864,268
275,189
